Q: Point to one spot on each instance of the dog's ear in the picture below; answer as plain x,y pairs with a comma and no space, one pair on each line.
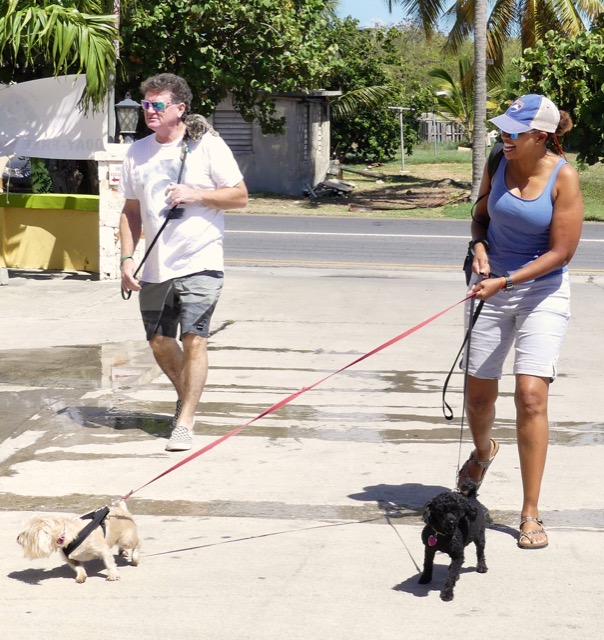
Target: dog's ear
427,514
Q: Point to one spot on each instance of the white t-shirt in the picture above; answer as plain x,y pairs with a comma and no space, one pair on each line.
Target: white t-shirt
192,243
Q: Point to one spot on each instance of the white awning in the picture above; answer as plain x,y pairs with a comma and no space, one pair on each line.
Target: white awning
41,119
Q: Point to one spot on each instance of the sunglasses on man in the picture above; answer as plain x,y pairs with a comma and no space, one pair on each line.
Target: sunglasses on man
157,106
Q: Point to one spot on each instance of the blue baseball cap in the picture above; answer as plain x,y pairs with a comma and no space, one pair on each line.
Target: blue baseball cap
528,112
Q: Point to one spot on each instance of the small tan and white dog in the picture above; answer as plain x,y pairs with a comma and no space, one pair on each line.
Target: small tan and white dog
46,533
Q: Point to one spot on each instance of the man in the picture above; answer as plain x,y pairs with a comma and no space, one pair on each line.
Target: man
183,274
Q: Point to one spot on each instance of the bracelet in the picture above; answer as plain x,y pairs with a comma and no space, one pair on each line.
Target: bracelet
481,241
128,257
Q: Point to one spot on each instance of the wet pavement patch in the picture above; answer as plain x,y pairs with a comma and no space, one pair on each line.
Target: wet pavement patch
70,395
59,367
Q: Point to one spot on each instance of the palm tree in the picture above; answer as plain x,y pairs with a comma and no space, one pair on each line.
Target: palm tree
479,141
455,98
531,19
39,37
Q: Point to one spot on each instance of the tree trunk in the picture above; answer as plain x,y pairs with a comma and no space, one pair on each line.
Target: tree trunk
111,124
480,95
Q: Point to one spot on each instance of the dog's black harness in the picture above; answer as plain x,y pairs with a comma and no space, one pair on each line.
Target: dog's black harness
97,519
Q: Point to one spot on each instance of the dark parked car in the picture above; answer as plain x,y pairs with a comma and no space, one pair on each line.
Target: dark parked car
16,176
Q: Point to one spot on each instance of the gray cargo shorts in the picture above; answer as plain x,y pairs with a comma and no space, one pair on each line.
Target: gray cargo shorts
186,303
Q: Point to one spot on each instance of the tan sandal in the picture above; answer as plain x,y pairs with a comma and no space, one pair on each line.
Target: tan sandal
463,476
527,536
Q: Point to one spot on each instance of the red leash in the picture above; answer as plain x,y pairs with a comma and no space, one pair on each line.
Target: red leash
293,396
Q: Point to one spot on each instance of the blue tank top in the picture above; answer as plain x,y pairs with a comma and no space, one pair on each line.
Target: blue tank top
519,229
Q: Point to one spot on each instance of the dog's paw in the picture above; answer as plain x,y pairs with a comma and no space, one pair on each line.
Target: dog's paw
425,579
446,595
113,577
482,568
81,575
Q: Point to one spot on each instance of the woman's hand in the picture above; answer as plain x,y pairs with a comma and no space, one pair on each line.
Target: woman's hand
487,287
480,264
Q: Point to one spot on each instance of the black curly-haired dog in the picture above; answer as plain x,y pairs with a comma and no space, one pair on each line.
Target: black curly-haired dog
453,521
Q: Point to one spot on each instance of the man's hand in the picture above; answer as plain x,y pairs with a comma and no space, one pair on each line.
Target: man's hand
129,282
223,198
181,194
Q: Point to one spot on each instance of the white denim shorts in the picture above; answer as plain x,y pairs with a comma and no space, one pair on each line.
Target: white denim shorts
533,318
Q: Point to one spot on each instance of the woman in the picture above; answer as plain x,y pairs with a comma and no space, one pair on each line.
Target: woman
523,237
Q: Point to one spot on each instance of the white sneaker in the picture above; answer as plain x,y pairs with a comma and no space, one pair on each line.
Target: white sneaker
180,440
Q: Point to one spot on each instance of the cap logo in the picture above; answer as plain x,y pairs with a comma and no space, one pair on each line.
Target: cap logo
518,104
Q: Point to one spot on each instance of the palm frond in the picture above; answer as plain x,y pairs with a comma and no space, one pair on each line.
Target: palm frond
426,12
365,97
67,38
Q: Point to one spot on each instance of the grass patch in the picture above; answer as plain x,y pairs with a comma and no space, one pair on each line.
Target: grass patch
592,186
428,153
430,173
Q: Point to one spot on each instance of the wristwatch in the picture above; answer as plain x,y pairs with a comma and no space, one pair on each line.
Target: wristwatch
473,243
509,285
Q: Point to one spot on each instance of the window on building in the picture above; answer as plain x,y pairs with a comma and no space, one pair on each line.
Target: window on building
235,131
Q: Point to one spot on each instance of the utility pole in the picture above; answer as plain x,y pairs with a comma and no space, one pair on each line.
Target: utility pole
400,112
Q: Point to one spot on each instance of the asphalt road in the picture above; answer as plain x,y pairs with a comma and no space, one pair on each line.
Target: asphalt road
258,240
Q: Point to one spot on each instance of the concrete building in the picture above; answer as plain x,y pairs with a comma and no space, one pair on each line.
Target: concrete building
285,163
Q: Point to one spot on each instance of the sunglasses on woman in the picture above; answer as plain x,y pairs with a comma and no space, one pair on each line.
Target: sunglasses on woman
514,136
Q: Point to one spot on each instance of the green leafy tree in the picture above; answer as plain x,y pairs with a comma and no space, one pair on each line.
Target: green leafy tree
251,48
418,53
39,38
570,71
373,134
366,71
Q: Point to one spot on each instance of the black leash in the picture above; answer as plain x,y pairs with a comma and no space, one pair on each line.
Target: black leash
174,214
97,519
447,411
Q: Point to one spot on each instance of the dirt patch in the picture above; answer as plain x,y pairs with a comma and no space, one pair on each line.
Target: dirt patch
379,191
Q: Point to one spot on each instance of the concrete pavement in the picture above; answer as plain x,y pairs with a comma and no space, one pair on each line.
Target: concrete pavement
306,525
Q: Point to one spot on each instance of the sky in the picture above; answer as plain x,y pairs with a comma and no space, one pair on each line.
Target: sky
368,12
